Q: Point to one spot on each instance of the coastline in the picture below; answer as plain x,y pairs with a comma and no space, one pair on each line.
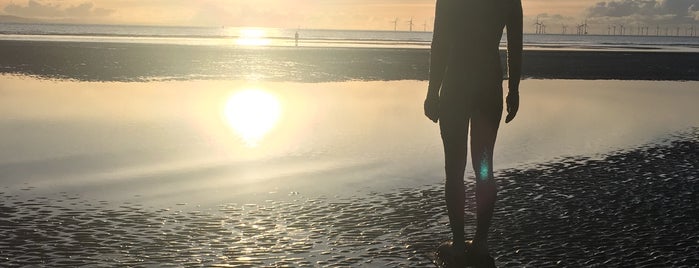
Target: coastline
156,62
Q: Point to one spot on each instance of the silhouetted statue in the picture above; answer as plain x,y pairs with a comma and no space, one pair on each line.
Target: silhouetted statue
465,86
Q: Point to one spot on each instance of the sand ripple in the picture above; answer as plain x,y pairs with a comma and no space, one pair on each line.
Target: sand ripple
636,208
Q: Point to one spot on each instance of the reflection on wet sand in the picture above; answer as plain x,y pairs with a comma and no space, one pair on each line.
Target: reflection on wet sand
120,140
196,136
252,113
252,37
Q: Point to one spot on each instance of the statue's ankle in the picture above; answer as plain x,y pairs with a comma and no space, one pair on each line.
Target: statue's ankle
459,246
479,246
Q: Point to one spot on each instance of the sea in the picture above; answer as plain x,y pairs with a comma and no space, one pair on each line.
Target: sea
280,37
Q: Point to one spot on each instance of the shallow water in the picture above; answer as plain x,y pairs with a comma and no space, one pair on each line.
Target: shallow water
173,142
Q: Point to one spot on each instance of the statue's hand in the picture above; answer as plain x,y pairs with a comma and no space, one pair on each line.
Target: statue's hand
432,108
512,105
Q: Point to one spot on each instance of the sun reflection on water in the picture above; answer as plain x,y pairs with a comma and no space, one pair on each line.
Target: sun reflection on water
252,37
252,113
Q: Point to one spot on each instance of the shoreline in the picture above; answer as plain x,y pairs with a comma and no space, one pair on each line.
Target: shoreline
632,207
157,62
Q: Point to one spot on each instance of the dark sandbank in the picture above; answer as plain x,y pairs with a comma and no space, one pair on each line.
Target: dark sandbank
633,208
145,62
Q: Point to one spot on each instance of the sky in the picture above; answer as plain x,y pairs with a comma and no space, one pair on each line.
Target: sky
346,14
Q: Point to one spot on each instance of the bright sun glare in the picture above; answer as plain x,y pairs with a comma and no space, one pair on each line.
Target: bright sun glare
252,113
252,37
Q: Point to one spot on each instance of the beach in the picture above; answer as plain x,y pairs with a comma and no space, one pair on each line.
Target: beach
635,207
154,146
159,172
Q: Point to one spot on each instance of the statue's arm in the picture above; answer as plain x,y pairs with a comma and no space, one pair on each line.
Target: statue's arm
514,58
514,45
440,49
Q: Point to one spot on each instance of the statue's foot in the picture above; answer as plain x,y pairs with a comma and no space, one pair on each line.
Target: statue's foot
479,257
450,256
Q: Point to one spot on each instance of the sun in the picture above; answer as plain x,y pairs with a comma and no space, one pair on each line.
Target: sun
252,113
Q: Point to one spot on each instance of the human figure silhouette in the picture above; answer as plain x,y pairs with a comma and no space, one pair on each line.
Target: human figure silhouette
296,38
465,87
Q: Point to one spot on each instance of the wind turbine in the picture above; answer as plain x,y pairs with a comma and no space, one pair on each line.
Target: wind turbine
582,28
411,24
395,24
543,26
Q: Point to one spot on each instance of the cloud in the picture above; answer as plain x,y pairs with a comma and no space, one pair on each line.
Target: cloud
86,10
259,14
623,8
556,17
646,11
36,9
359,14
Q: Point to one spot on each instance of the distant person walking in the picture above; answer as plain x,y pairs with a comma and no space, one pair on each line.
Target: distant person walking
465,88
296,37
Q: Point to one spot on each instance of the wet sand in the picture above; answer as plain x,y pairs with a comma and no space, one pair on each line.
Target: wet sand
633,207
149,62
161,143
153,174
